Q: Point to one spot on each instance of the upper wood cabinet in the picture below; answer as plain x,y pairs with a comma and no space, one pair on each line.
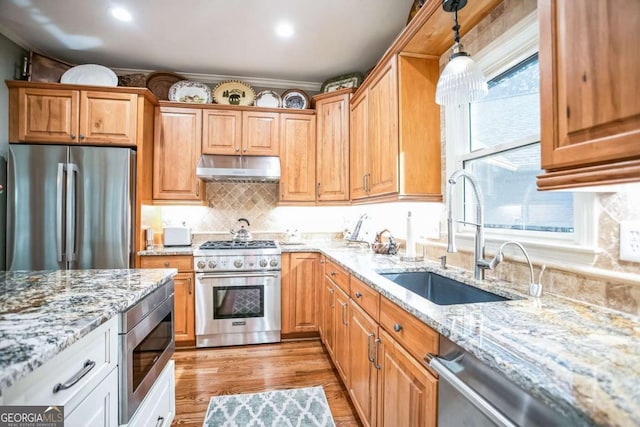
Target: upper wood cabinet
260,133
332,160
72,116
300,292
590,93
221,131
395,133
297,157
177,149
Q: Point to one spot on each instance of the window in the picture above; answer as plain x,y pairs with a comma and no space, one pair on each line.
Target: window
498,140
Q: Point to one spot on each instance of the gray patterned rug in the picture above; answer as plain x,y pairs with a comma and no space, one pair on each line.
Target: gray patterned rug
299,407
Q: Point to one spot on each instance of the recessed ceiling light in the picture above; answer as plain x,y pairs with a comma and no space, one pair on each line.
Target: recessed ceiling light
121,14
284,30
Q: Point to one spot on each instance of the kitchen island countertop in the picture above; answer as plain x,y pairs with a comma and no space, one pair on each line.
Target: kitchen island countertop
44,312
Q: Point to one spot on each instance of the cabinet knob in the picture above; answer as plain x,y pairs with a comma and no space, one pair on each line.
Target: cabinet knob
237,149
245,150
358,294
333,273
81,136
73,136
166,263
397,327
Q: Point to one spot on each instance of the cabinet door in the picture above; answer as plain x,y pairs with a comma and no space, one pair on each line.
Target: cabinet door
177,149
333,148
46,115
183,303
108,118
363,374
358,147
300,292
221,131
341,340
260,133
298,158
382,136
328,320
407,392
589,68
100,407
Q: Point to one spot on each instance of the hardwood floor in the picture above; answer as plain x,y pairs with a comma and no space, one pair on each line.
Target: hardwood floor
203,373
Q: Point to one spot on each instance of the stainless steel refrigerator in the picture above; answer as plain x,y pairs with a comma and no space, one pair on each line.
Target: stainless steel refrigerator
70,207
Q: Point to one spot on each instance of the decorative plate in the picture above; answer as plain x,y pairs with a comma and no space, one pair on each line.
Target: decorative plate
233,92
90,74
346,81
160,82
295,98
190,91
268,99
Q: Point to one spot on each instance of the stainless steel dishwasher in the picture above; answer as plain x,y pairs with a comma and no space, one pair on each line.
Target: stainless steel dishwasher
470,393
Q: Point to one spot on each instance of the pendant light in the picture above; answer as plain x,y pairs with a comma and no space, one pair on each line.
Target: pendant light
461,81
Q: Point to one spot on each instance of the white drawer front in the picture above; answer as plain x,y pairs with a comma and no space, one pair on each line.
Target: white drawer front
100,408
99,347
159,407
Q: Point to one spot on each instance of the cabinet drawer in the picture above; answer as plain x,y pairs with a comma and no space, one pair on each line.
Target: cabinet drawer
181,262
366,297
99,347
416,337
337,274
159,407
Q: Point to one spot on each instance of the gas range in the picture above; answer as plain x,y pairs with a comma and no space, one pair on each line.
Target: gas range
232,255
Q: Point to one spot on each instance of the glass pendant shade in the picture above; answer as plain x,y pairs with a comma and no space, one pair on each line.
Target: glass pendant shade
461,81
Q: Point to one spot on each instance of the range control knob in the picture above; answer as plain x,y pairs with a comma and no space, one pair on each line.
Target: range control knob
273,262
263,262
237,263
201,265
212,264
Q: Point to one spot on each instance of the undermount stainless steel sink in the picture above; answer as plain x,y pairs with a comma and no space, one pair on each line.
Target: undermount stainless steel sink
441,290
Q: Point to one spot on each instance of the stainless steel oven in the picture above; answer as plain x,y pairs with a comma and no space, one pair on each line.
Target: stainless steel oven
146,345
237,308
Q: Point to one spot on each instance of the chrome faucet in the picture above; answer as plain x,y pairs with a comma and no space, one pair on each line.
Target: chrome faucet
535,288
478,255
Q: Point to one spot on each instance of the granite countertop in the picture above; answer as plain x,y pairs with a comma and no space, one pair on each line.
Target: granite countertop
159,250
580,359
44,312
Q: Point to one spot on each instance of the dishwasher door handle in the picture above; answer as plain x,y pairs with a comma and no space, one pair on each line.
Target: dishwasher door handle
468,393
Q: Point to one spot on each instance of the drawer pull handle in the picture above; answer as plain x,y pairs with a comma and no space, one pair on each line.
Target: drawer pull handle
397,327
166,263
160,422
88,365
376,345
358,294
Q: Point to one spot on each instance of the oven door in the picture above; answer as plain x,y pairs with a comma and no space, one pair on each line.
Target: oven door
237,308
146,349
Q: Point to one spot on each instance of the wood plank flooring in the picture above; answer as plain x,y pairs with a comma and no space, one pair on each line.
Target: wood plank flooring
203,373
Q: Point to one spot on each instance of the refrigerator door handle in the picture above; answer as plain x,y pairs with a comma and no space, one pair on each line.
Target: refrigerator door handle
62,167
71,246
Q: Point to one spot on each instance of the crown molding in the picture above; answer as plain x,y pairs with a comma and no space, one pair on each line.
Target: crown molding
217,78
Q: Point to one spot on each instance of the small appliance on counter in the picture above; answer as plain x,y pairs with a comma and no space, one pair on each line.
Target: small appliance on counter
176,236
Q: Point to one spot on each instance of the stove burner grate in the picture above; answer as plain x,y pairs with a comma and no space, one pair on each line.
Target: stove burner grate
233,244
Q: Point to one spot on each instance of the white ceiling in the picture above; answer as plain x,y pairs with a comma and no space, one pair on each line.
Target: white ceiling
220,37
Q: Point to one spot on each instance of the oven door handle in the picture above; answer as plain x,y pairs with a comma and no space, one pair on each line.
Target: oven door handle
234,275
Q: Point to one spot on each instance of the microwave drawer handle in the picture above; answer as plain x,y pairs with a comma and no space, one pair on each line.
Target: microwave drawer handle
88,365
233,275
474,398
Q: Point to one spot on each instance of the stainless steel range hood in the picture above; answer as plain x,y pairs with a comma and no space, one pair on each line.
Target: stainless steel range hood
238,168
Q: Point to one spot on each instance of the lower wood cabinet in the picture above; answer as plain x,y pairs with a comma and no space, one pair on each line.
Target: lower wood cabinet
328,304
184,294
341,341
301,277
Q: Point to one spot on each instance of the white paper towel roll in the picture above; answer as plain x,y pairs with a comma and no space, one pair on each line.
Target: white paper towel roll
411,243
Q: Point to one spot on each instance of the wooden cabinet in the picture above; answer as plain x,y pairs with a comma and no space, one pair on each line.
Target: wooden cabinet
221,131
300,293
363,366
395,133
332,162
590,101
177,149
297,157
72,116
260,133
184,294
407,392
341,340
327,331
